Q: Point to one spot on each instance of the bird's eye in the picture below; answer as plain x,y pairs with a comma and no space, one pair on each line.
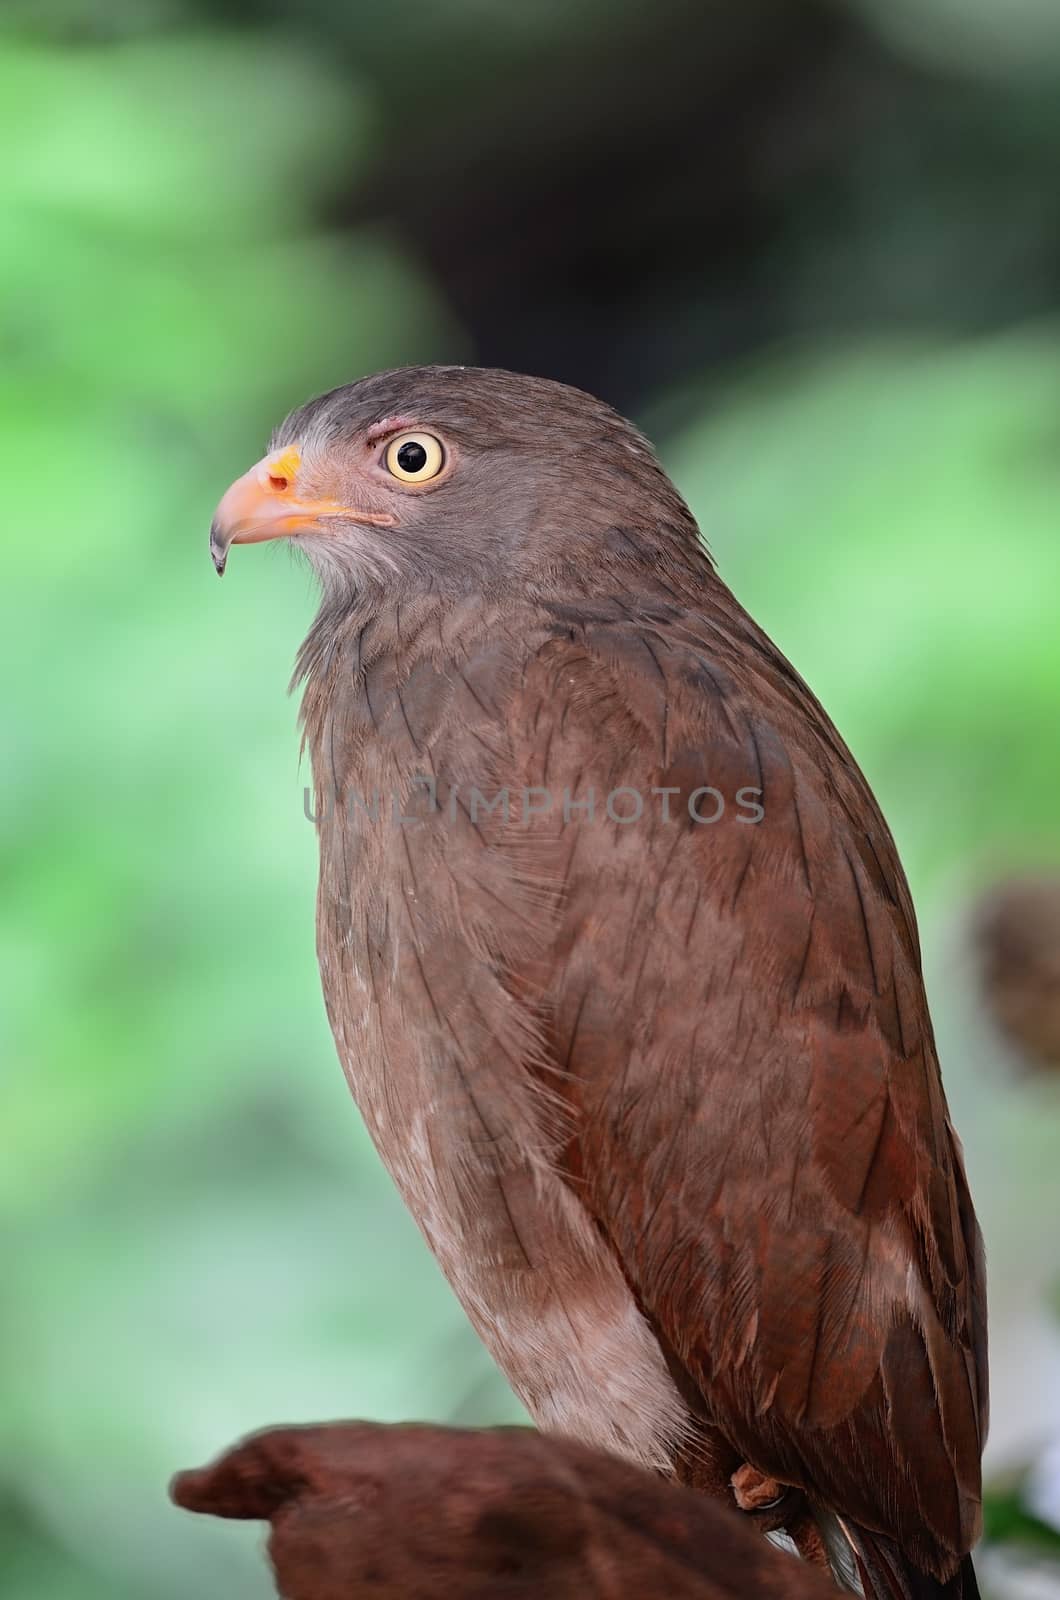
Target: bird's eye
415,457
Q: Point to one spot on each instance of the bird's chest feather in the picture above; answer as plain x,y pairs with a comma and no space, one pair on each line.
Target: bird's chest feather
415,918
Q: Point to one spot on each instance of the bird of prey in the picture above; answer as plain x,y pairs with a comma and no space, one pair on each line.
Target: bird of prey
623,969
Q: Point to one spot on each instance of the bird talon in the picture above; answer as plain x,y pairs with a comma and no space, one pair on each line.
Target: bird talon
754,1491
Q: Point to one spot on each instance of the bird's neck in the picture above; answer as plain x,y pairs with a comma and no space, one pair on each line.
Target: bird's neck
365,642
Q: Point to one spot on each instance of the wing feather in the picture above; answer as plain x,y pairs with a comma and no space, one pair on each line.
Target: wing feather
760,1129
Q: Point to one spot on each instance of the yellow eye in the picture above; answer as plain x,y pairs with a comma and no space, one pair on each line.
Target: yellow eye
415,457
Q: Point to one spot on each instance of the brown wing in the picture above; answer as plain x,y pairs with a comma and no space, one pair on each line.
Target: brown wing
739,1020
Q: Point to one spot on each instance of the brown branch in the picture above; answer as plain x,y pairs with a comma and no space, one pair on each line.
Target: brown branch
425,1513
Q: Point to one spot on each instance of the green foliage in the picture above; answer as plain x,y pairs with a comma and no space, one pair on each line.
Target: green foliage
1006,1520
197,1236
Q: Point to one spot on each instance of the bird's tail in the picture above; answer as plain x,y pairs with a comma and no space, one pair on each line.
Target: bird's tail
886,1574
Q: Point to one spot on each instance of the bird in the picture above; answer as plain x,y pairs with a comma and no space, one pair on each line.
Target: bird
405,1511
623,969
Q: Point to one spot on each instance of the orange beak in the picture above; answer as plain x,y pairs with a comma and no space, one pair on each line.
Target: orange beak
263,504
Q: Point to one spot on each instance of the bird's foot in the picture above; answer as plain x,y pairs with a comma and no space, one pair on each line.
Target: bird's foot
774,1506
754,1491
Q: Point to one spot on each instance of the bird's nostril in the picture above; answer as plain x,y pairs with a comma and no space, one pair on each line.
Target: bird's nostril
278,482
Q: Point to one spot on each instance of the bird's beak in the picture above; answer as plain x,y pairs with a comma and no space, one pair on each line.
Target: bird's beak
264,504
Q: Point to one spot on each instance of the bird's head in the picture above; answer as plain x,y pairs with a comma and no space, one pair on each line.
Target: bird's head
455,477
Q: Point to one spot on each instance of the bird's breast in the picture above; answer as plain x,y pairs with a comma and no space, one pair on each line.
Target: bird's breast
437,1054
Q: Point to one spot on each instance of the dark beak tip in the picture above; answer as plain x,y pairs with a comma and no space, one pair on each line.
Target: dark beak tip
218,550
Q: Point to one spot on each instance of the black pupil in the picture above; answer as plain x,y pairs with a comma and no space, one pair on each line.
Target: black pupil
412,457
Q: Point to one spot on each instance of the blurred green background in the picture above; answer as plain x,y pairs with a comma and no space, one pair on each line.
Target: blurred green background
815,249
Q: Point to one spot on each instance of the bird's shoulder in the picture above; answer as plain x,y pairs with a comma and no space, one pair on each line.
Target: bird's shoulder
638,687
